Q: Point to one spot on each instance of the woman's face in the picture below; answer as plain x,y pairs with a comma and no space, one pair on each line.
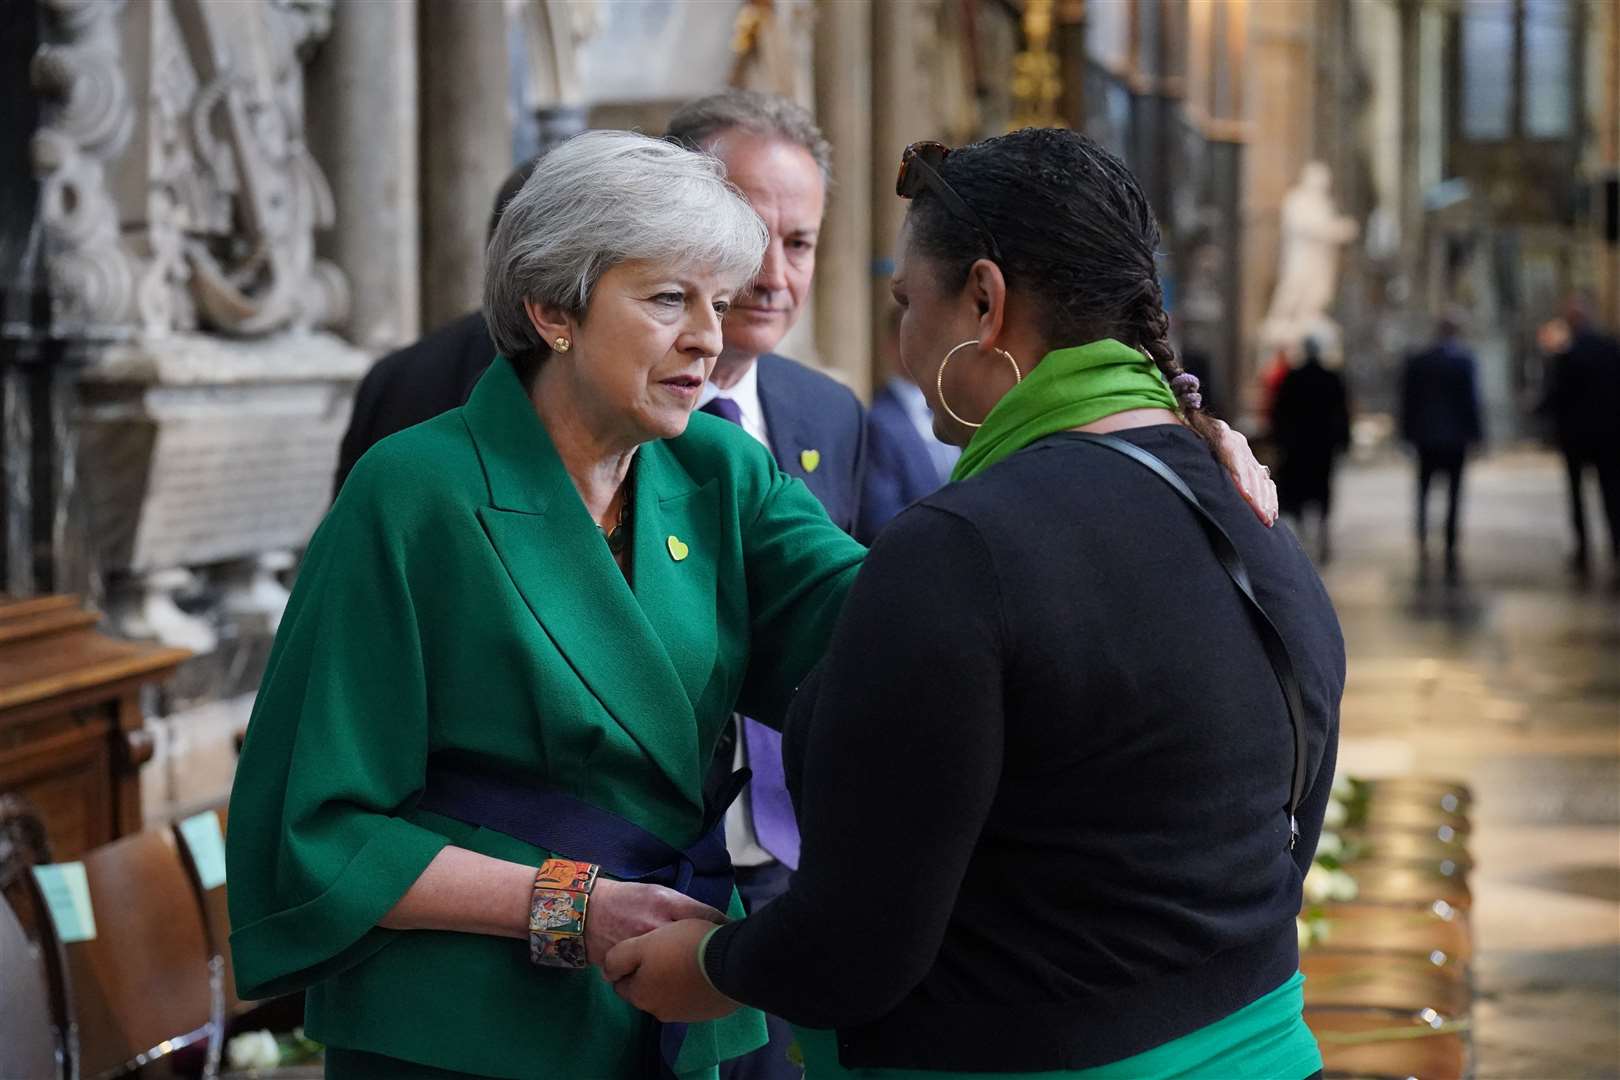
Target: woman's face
640,355
934,319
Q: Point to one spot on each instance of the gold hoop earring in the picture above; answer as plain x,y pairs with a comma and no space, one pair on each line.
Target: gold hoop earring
563,345
939,381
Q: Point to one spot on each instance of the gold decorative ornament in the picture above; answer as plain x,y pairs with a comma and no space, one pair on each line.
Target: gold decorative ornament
562,344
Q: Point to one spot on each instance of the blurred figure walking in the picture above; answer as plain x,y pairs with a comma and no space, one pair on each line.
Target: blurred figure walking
1440,417
1580,400
1310,423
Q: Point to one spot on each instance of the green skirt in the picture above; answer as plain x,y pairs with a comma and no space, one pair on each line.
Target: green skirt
1265,1040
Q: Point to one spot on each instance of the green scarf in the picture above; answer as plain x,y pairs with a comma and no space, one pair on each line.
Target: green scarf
1067,389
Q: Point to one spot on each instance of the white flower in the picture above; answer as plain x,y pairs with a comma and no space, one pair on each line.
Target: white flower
1337,814
1341,886
1342,787
253,1050
1330,844
1304,932
1318,884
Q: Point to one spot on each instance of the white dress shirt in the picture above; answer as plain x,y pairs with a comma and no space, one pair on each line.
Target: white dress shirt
741,840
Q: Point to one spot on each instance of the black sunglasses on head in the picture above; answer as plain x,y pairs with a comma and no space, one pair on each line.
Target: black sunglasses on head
919,167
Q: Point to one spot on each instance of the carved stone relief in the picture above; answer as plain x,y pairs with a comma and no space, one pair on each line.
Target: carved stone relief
178,192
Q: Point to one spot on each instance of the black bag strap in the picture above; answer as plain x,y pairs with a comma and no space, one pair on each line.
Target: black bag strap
1226,551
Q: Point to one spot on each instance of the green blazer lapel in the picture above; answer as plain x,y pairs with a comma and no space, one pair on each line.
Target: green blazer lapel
556,558
675,545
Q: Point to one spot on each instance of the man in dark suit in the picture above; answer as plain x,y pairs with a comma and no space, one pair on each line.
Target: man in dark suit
1580,398
1440,417
427,377
813,425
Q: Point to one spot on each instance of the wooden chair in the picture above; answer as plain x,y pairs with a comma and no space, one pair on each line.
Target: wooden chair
23,845
1389,812
1383,980
29,1045
145,986
1423,848
216,917
1376,1043
1398,883
1448,796
1424,929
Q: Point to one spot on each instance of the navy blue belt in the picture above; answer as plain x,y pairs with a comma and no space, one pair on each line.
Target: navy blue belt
574,829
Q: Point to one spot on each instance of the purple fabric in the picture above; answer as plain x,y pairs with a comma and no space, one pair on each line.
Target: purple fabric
1185,383
768,800
724,408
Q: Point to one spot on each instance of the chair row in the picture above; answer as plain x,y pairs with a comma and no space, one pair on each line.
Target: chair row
119,961
1386,953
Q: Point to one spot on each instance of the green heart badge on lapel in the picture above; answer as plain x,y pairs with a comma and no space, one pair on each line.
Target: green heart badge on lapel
810,459
677,550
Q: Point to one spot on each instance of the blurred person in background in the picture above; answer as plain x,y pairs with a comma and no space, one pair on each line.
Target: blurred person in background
427,377
1582,377
905,460
1310,424
812,424
1440,417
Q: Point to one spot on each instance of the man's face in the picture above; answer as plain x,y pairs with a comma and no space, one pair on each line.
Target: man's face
784,185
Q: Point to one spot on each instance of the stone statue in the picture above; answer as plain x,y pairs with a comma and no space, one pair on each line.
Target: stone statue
1313,231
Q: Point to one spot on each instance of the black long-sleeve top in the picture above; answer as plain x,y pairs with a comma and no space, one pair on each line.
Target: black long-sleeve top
1042,775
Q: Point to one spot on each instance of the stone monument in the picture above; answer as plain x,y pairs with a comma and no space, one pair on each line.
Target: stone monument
179,205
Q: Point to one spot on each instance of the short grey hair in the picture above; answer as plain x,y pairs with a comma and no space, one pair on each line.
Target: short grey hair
604,198
697,123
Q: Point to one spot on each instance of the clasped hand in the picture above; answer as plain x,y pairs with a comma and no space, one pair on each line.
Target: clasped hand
658,973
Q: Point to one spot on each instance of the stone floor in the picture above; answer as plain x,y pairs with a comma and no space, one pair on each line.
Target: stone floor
1511,682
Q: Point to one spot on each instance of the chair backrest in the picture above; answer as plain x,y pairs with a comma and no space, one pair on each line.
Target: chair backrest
22,846
1384,980
145,985
1421,928
215,910
1378,1043
28,1038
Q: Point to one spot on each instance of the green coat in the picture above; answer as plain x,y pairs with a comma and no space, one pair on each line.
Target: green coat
458,600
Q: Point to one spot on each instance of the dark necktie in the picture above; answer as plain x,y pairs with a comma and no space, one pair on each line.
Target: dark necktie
768,801
725,409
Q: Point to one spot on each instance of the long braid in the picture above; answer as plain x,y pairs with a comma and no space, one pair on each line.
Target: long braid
1152,328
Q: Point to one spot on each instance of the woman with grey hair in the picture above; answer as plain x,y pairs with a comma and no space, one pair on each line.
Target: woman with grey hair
476,761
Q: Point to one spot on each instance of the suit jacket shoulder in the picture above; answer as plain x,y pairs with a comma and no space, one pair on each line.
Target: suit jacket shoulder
817,431
413,384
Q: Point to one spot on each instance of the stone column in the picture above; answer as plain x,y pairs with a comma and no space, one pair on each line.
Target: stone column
900,116
466,148
362,126
843,315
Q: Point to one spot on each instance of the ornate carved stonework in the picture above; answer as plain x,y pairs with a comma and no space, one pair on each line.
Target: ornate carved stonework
178,192
86,123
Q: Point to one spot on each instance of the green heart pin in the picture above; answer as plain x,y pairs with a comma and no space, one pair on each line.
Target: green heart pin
810,459
677,550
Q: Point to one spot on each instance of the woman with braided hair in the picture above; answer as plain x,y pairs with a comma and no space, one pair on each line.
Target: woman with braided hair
1064,766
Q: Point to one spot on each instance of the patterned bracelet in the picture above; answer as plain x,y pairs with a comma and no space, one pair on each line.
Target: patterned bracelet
562,893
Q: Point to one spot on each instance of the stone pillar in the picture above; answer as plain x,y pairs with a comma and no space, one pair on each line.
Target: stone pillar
466,147
843,314
362,126
900,116
1605,28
